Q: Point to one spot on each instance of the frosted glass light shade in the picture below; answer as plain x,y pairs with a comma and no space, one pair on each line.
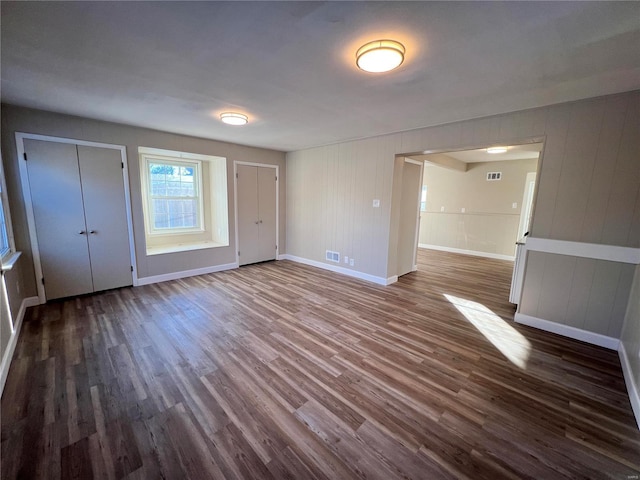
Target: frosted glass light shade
380,56
234,118
496,149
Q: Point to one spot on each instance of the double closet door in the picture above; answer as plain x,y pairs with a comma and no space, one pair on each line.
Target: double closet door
256,193
78,199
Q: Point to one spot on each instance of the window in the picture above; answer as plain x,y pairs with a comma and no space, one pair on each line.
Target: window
5,245
174,199
423,199
184,200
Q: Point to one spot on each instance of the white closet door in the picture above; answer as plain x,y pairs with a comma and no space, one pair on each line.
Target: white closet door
256,213
267,212
106,216
56,196
248,217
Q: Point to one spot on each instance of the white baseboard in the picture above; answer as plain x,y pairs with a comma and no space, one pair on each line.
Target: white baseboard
13,341
342,270
632,387
568,331
475,253
185,273
391,280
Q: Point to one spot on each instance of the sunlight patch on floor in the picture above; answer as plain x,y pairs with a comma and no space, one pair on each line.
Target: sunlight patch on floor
511,343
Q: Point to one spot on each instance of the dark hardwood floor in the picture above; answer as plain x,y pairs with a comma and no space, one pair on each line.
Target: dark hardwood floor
280,371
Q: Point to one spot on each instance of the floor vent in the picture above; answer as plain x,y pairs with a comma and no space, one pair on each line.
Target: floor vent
333,256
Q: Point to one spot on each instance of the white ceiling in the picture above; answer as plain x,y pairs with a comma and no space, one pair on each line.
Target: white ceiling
290,66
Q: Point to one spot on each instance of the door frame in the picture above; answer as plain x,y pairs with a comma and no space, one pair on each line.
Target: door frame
26,196
417,239
235,202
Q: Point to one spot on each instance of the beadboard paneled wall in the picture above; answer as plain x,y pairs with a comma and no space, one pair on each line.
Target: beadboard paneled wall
583,293
332,191
630,345
588,190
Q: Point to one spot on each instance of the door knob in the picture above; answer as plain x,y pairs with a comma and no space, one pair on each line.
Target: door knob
92,232
82,232
260,221
257,222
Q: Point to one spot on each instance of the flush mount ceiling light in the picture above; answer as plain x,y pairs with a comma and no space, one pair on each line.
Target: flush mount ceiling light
496,149
234,118
380,56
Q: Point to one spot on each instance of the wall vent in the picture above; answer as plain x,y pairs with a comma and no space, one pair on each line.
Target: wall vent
493,176
333,256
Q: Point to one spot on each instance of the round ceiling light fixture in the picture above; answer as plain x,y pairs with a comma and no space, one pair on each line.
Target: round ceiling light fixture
380,56
233,118
494,150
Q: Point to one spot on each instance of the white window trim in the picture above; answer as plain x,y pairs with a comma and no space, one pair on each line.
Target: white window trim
8,259
148,211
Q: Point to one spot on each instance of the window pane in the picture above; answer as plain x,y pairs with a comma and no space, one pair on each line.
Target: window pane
175,213
4,240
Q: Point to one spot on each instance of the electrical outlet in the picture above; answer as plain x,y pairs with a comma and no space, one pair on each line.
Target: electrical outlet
351,262
376,203
514,205
346,259
462,209
442,209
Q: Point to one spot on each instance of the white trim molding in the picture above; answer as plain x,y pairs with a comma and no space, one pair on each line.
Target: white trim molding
568,331
475,253
13,341
341,270
612,253
186,273
632,386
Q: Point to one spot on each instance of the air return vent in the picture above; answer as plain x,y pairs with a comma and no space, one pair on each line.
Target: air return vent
333,256
493,176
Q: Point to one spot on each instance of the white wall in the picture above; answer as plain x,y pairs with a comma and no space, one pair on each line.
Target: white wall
489,223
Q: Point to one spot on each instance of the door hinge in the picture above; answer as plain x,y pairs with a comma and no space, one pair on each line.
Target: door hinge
42,280
25,156
122,165
276,179
238,252
132,268
236,175
276,247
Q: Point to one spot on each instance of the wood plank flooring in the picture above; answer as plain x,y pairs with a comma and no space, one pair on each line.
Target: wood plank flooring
283,371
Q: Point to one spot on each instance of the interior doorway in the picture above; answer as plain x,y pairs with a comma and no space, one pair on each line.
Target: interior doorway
477,202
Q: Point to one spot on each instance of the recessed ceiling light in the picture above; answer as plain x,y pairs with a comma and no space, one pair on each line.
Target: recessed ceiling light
496,149
380,56
234,118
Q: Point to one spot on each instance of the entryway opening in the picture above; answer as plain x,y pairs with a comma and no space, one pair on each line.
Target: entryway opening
475,202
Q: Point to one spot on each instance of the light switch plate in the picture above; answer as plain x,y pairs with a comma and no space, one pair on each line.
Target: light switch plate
376,203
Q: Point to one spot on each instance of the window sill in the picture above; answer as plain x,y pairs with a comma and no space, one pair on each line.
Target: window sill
182,247
9,261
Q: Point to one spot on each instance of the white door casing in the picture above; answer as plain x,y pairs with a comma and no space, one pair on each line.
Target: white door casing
409,216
